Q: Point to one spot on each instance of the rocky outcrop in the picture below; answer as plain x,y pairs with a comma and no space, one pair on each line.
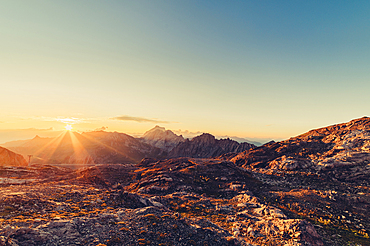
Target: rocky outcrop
161,138
206,146
9,158
203,176
330,165
342,145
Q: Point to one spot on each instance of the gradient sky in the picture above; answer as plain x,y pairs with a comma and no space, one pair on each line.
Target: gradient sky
265,69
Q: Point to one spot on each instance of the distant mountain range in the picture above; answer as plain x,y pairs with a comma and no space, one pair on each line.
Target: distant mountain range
114,147
207,146
88,147
341,145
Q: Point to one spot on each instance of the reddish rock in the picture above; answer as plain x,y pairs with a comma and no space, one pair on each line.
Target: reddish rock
9,158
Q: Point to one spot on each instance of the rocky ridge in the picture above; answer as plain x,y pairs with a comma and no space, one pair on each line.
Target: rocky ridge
207,146
114,147
342,151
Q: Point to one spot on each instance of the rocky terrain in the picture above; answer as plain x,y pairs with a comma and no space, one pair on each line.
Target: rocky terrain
309,190
174,202
322,175
343,145
207,146
8,157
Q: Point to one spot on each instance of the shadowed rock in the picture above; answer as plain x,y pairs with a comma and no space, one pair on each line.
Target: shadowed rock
206,146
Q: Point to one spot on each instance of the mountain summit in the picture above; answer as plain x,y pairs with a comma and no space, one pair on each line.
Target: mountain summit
161,138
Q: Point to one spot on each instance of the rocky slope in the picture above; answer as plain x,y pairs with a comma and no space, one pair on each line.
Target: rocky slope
174,202
330,148
161,138
322,176
9,158
206,146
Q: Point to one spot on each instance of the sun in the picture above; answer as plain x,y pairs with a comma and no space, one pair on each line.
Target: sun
68,127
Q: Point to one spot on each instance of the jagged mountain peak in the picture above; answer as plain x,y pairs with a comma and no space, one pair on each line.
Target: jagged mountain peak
206,146
159,132
161,138
157,128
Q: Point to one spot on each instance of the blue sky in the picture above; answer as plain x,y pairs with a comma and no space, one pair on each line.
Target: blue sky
271,69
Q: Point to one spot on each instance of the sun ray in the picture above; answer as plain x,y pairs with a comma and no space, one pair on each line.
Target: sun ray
79,151
107,146
54,143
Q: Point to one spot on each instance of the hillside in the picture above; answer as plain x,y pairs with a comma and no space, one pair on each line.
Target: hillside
9,158
322,176
335,147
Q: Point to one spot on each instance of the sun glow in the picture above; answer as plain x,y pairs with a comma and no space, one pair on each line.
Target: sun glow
68,127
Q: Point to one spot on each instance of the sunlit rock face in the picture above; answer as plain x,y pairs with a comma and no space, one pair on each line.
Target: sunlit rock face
9,158
206,146
342,145
161,138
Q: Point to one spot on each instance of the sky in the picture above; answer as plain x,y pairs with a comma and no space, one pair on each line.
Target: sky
254,69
